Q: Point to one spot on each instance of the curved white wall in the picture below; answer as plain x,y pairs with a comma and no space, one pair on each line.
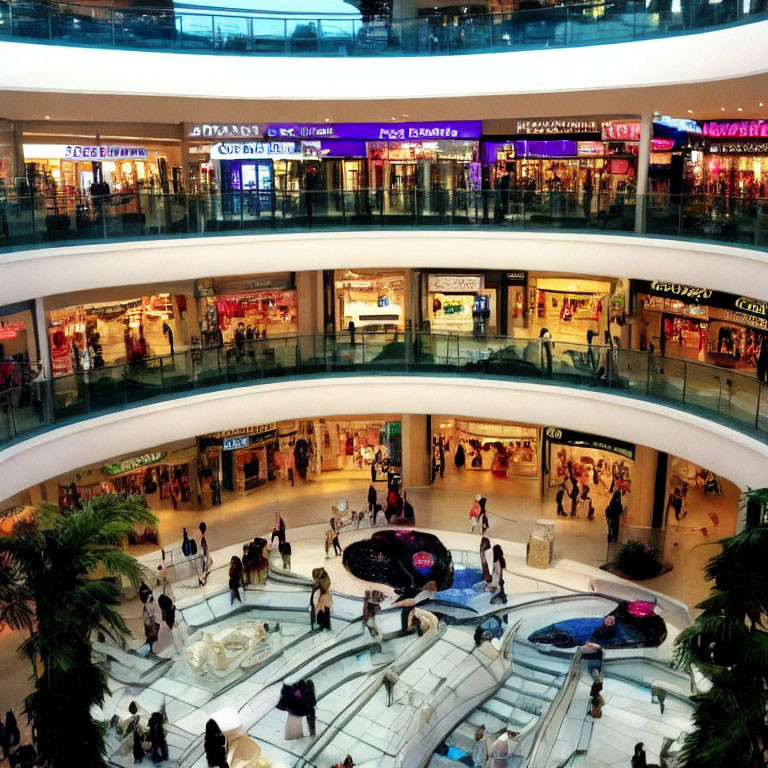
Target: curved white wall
629,77
48,271
724,451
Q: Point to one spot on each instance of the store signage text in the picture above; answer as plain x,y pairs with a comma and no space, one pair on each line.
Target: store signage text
223,130
80,152
301,131
240,431
739,317
518,276
126,465
624,131
557,126
456,283
740,148
735,129
570,437
276,282
233,443
677,289
752,306
409,133
234,150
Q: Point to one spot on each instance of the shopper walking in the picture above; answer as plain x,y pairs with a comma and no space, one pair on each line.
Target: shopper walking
370,609
205,557
496,584
480,748
335,541
236,582
307,690
613,513
474,513
485,553
545,341
157,738
483,517
372,499
278,530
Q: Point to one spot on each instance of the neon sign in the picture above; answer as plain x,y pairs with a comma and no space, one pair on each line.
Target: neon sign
735,129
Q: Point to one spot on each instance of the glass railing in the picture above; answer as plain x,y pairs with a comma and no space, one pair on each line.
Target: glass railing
307,34
723,396
62,218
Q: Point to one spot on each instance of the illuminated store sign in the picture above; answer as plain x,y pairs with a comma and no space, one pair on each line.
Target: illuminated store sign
621,131
11,329
223,131
557,126
238,150
456,283
84,152
460,129
740,148
735,129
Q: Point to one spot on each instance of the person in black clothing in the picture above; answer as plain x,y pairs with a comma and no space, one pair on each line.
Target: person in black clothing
157,738
169,335
613,513
215,745
11,735
307,691
284,547
240,342
591,352
372,503
236,582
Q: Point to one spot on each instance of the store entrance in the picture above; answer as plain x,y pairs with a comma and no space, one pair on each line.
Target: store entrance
247,188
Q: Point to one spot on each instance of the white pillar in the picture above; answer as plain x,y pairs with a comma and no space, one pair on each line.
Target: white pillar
643,163
43,349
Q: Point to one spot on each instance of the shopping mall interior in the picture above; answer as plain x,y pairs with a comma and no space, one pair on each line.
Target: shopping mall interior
433,372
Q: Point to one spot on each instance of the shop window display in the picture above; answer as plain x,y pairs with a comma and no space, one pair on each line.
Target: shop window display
505,450
371,301
252,315
88,337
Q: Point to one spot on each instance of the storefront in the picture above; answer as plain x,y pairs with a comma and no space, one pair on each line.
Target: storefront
699,501
503,449
87,337
571,308
460,303
258,306
103,169
373,300
703,325
237,460
356,444
166,478
17,343
730,159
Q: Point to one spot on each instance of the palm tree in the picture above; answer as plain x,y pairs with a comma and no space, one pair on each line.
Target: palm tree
48,587
729,645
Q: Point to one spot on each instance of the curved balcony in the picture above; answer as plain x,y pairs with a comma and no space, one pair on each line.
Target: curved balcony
49,220
706,397
299,34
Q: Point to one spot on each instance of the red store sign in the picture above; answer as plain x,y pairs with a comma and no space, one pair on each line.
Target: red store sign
621,131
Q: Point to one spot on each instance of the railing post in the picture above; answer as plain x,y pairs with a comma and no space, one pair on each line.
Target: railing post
685,380
720,394
649,370
757,410
162,381
112,24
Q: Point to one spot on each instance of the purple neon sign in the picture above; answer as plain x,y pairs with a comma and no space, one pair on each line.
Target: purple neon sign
435,131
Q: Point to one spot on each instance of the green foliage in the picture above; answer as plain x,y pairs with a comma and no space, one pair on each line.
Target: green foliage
47,588
638,560
729,646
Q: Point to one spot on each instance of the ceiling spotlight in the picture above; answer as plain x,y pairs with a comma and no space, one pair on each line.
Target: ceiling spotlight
761,103
722,109
394,118
690,111
327,119
47,117
739,109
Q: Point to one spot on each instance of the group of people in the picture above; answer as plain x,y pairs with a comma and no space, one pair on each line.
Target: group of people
494,753
164,631
146,733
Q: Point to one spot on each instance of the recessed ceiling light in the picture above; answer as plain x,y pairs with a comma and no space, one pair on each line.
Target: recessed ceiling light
690,111
394,118
761,103
327,119
739,109
722,109
407,115
47,117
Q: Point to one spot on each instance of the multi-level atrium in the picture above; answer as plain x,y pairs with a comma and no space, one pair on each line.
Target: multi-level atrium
484,286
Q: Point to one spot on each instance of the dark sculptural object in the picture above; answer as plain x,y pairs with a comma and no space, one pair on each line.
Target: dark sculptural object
630,625
405,560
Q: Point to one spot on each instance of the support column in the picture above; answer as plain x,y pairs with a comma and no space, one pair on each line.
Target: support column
415,451
309,292
18,169
643,163
41,332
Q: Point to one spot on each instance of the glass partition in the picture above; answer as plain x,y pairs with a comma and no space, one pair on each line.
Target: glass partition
724,396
